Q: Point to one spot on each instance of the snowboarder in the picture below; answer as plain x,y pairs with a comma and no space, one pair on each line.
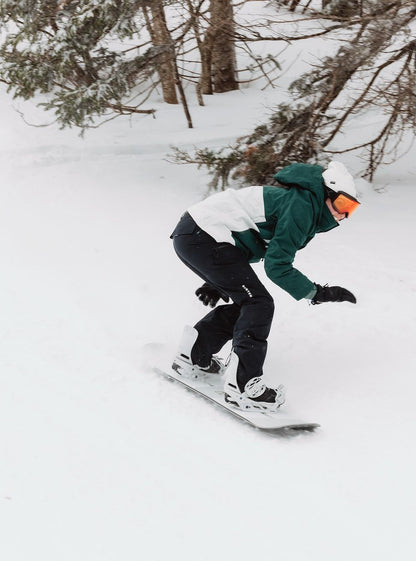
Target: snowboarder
220,236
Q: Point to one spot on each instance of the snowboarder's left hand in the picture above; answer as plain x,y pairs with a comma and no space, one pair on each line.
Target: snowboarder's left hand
332,294
209,295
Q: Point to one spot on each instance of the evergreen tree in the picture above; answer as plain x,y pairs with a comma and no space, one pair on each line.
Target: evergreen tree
94,58
380,56
72,50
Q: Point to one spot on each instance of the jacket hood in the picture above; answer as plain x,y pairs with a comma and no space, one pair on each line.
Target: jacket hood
303,176
309,178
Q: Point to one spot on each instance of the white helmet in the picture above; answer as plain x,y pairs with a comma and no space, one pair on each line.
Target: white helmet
337,178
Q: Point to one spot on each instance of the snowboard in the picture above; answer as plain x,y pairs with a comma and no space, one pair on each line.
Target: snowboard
212,390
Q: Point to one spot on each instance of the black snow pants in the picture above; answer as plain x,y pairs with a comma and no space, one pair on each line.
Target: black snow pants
247,320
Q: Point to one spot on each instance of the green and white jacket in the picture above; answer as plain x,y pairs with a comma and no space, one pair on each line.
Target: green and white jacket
271,223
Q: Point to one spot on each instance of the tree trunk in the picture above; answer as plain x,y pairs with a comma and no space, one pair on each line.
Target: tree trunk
160,36
205,80
205,46
223,64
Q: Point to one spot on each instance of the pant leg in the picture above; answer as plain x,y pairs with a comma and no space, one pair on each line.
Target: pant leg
195,248
247,321
215,330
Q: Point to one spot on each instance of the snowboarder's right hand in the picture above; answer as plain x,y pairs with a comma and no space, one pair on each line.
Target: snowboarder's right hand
209,295
332,294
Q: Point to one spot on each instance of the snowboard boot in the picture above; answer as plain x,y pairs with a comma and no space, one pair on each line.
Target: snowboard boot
256,395
182,363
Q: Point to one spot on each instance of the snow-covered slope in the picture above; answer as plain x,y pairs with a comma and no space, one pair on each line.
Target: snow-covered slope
103,461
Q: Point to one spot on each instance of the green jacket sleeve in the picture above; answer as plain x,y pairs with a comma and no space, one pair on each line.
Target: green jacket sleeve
289,236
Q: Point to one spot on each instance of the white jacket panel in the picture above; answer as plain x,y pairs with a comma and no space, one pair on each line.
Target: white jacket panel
230,211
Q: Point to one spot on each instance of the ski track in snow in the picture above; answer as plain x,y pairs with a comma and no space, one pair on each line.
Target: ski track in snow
101,460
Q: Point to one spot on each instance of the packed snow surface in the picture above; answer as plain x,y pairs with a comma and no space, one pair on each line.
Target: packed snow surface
101,459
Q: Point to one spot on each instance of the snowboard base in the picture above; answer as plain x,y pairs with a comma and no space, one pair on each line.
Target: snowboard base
212,390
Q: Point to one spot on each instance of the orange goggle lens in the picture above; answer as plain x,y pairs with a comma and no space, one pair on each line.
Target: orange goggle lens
344,203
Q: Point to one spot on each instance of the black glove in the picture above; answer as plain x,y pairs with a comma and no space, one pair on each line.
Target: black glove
332,294
209,295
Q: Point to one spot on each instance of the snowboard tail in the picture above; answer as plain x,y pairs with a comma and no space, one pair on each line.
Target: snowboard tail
212,391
